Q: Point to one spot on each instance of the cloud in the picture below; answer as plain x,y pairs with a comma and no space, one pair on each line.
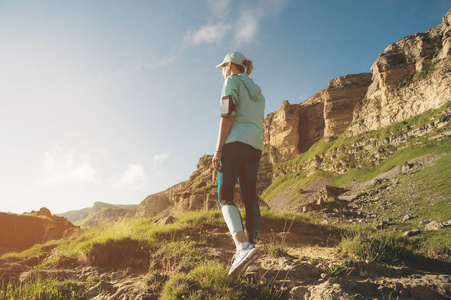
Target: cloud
133,177
62,166
159,158
230,22
140,64
240,25
208,34
219,8
247,28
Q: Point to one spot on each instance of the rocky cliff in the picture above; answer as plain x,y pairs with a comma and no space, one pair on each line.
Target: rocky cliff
413,75
19,232
154,204
294,128
199,191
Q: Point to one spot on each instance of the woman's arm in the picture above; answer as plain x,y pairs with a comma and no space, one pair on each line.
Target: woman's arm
224,128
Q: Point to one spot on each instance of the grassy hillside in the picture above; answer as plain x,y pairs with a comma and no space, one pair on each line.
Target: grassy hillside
363,157
180,257
190,256
421,144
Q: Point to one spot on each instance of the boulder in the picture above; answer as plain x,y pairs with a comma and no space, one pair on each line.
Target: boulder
434,225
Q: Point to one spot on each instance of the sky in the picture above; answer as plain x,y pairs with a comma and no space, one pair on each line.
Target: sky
112,101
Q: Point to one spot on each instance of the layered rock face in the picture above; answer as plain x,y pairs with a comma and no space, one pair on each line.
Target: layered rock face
156,203
409,78
200,192
341,96
197,193
294,128
19,232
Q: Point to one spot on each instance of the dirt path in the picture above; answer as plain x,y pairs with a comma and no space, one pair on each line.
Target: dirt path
304,259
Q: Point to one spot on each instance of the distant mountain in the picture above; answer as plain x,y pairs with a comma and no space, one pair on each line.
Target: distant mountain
75,215
100,212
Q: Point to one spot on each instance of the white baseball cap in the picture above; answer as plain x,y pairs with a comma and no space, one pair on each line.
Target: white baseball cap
234,57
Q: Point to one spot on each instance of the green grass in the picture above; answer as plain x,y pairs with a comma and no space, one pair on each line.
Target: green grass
275,250
33,255
178,256
210,281
418,186
107,245
360,243
417,76
281,183
180,268
334,270
47,289
399,158
335,152
82,222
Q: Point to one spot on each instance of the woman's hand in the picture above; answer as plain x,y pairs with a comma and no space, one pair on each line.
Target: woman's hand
224,128
217,161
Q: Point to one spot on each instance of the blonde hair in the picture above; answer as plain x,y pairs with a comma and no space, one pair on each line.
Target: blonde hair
249,67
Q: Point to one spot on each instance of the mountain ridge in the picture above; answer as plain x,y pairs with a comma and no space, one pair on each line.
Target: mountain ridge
99,212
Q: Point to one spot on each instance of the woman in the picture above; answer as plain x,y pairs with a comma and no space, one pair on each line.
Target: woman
237,155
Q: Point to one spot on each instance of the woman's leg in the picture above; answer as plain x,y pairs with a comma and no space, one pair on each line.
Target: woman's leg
233,156
226,189
248,188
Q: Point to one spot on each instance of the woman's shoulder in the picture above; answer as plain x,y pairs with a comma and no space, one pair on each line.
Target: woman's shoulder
236,79
232,81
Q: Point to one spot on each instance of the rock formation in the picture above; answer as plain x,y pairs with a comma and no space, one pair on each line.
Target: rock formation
410,77
199,192
341,96
154,204
294,128
19,232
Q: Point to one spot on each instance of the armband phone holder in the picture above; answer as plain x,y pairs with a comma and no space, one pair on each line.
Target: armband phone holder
227,106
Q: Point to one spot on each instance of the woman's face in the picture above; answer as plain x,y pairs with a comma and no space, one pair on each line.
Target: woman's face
226,70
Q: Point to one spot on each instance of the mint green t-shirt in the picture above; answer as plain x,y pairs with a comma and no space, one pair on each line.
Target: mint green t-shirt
249,114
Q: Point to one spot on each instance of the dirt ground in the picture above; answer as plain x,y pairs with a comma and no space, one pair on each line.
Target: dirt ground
309,260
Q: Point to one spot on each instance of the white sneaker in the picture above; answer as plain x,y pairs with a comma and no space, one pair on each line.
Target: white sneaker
243,258
252,268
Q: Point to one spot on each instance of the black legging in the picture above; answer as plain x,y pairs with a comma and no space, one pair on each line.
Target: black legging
241,161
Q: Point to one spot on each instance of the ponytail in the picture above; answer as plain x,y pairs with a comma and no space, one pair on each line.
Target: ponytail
249,67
